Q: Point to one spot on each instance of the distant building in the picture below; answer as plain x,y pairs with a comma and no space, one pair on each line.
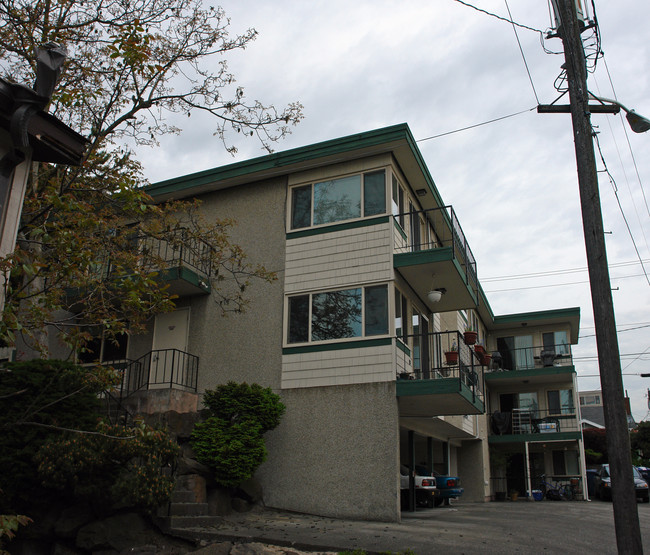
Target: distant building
592,413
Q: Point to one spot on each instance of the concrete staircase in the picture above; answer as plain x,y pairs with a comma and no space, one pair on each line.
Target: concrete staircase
185,511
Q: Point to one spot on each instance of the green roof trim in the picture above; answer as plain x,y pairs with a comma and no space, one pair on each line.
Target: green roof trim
287,158
531,373
522,438
538,316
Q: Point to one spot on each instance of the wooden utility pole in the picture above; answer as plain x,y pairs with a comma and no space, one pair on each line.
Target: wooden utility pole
626,518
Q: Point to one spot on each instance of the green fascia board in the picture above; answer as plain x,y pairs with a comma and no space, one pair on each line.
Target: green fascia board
337,227
361,344
401,132
522,438
442,254
532,373
540,315
185,274
439,386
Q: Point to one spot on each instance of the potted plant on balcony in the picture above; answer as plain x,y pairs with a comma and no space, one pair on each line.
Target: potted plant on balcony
470,336
486,359
479,349
451,356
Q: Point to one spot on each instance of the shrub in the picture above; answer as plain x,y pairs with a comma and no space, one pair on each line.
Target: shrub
230,440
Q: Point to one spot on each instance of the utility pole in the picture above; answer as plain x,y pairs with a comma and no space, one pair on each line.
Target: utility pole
626,518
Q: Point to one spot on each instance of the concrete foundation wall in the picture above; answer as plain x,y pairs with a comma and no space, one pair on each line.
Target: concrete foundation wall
336,453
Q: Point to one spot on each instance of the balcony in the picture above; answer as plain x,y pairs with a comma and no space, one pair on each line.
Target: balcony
537,364
531,424
159,381
433,379
431,251
181,261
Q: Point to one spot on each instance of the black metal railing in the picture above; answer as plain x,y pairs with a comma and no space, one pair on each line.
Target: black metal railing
440,355
529,358
436,228
170,368
175,250
535,421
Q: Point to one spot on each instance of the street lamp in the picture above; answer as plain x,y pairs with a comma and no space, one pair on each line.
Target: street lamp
638,123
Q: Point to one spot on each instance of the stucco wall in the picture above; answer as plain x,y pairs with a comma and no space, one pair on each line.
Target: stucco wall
336,453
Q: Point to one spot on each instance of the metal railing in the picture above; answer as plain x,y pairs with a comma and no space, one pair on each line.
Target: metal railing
441,229
440,355
178,249
535,421
529,358
162,368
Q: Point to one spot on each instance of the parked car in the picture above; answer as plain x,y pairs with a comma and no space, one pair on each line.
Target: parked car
426,492
603,484
449,486
645,473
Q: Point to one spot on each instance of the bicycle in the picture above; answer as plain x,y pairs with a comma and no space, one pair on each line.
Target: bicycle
556,491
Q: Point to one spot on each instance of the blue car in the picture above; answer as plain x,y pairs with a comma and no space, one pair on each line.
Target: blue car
448,486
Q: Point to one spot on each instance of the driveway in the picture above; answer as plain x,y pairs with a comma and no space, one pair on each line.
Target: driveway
499,528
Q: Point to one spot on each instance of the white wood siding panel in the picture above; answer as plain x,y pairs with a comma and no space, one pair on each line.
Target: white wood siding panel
337,259
347,366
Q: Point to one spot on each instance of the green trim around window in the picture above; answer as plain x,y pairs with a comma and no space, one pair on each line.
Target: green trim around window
400,230
404,348
337,227
361,344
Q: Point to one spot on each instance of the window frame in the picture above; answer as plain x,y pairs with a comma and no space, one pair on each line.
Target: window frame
363,208
363,320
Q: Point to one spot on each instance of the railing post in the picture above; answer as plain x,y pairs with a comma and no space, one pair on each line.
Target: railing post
171,378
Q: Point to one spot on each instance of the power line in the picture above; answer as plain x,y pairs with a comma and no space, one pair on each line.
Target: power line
560,284
522,54
500,17
477,124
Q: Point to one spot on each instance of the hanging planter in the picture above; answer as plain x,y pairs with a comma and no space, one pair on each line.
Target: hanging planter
479,350
451,357
487,359
470,337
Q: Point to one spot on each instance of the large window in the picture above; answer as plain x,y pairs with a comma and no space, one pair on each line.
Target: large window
516,352
560,401
556,342
346,313
336,200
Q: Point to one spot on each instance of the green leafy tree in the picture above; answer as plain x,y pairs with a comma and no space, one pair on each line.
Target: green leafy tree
230,441
640,444
115,465
596,441
130,65
41,398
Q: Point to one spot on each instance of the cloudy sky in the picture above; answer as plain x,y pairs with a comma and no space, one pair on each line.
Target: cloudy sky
441,66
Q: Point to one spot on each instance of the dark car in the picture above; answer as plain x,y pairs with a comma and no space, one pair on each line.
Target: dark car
645,473
603,484
448,486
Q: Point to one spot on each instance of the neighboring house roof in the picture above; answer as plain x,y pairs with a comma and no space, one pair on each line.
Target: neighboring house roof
594,414
589,424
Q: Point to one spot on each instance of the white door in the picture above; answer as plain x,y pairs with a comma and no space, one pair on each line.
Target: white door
169,358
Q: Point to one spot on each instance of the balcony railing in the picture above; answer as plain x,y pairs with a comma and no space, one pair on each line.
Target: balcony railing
440,355
163,368
535,421
436,228
180,249
530,358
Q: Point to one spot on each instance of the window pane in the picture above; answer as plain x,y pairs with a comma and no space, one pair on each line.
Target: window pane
301,207
374,193
337,200
336,315
298,319
561,343
376,310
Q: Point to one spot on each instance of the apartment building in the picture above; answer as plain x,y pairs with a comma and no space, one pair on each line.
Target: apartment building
363,334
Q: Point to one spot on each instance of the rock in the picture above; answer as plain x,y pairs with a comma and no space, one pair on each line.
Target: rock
71,519
221,548
113,533
253,489
219,502
188,465
240,505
